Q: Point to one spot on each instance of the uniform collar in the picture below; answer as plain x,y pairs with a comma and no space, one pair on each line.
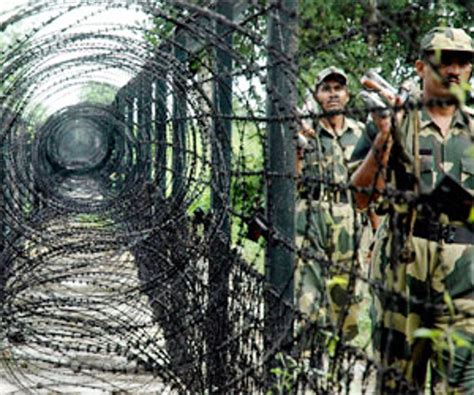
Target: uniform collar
346,125
459,119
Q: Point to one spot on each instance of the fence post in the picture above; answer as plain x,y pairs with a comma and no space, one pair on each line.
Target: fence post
119,145
179,115
2,189
281,157
161,93
220,258
144,122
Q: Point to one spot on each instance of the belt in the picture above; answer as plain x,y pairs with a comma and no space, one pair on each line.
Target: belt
340,197
312,194
435,231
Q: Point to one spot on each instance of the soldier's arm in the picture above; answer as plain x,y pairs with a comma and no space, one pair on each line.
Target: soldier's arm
363,144
362,148
305,133
374,219
369,178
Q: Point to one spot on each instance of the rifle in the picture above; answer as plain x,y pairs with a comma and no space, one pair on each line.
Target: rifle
380,94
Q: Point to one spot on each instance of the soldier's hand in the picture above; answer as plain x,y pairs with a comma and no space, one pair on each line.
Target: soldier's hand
302,138
384,122
301,144
307,130
382,144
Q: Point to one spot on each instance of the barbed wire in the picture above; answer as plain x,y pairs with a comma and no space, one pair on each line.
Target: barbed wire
141,250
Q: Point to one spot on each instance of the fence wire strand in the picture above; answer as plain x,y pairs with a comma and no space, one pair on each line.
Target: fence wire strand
138,193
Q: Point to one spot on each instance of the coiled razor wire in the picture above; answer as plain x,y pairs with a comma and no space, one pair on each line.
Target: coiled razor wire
129,258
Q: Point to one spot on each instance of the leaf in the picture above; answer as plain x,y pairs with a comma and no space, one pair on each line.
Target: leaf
461,341
449,302
332,345
276,371
471,216
460,91
337,280
426,333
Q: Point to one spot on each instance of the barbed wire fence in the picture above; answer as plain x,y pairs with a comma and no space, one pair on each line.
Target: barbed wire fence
148,243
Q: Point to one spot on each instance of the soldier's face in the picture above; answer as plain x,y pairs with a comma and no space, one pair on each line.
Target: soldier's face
332,95
442,73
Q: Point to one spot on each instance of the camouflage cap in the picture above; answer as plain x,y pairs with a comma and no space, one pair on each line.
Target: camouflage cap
325,73
447,39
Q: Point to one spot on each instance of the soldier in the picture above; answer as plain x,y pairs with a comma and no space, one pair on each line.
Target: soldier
325,215
422,263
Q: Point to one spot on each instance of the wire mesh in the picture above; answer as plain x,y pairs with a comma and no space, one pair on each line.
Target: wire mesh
148,166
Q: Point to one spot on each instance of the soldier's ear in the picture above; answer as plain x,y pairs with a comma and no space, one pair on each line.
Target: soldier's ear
420,67
348,94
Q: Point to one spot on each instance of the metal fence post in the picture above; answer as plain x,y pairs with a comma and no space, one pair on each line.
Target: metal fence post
281,157
179,115
161,93
220,258
144,122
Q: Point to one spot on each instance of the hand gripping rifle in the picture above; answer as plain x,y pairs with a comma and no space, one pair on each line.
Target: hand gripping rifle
380,97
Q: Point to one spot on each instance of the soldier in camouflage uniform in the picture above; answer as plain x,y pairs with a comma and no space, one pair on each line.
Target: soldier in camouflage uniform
325,215
423,260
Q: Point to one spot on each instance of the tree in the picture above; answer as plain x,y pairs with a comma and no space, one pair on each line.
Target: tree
370,33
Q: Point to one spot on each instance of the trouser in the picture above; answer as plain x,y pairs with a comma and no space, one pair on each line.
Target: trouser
323,290
422,315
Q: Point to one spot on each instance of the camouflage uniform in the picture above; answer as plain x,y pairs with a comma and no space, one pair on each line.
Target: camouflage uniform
422,267
325,226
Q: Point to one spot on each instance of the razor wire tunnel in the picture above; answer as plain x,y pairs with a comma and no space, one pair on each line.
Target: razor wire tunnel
148,190
117,236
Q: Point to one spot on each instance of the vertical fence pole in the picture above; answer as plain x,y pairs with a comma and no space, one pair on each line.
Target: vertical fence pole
144,119
140,126
130,121
120,108
222,125
2,191
179,115
281,156
220,259
3,264
161,93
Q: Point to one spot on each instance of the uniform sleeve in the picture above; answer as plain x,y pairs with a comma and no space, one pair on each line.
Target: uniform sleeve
364,144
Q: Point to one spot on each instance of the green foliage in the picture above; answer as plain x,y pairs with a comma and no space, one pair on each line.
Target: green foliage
37,117
96,92
93,220
443,339
247,190
444,343
285,375
288,372
337,280
356,37
163,28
